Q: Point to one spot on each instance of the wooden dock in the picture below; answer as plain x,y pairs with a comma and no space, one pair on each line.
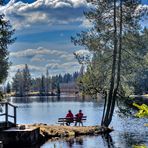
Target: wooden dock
8,123
12,134
19,137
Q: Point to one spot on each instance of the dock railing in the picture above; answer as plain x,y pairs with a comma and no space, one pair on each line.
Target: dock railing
6,112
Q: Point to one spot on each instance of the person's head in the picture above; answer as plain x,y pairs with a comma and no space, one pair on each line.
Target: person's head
80,111
69,111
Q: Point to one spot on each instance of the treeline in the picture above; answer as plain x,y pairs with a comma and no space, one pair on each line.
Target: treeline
23,84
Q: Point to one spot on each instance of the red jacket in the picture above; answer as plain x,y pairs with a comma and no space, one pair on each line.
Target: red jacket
69,115
79,115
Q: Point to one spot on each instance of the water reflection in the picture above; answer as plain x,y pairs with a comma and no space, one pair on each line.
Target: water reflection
79,140
33,99
48,99
75,141
70,142
130,139
108,142
104,141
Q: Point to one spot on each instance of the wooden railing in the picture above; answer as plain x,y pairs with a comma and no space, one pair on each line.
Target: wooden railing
6,112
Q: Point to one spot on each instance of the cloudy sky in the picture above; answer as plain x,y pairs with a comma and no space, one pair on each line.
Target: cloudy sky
43,31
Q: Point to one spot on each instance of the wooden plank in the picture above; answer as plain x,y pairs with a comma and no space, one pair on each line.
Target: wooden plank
6,111
3,103
84,117
74,119
2,114
12,105
15,115
10,116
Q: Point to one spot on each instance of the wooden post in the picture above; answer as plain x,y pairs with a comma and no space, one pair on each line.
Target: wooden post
6,112
14,115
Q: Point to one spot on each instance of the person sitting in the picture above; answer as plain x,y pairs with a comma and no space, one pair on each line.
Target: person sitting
69,118
79,117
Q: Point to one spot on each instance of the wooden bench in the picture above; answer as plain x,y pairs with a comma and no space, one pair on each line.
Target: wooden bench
63,121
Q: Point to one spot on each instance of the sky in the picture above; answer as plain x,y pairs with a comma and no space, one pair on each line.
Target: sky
43,29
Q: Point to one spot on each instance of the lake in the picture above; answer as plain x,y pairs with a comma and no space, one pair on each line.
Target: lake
128,131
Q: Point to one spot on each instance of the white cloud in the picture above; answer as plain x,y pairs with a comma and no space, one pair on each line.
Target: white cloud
37,59
47,12
82,52
16,67
42,54
60,68
34,52
54,68
32,68
86,23
68,57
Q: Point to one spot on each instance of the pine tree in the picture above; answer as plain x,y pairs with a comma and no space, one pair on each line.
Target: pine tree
22,82
111,20
17,84
6,33
8,88
58,89
26,80
47,82
42,86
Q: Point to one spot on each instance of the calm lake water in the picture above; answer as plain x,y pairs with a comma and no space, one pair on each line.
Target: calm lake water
128,131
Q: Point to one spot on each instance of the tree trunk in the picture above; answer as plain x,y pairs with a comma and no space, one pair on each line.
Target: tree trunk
110,99
118,65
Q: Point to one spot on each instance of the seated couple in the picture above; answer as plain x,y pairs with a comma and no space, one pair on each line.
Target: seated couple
78,118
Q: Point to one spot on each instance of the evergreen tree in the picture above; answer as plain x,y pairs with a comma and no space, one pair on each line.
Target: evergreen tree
22,82
6,33
42,86
47,82
26,80
17,84
58,89
111,21
8,88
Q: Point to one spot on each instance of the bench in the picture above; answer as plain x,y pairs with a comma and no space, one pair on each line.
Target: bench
63,121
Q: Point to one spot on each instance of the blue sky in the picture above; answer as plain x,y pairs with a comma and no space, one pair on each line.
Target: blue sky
43,31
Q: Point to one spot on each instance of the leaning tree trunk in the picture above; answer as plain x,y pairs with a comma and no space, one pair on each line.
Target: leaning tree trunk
110,102
118,65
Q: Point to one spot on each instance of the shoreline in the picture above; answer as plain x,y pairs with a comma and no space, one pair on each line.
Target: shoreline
59,131
40,133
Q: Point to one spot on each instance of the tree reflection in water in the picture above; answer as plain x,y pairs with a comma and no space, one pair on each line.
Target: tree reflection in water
75,140
70,142
107,139
78,141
